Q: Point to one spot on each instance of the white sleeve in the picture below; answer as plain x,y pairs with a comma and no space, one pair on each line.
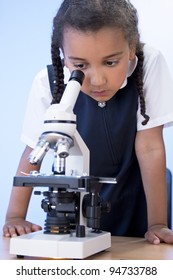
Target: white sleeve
38,101
158,91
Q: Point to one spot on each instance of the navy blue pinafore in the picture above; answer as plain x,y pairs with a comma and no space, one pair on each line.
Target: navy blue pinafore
109,133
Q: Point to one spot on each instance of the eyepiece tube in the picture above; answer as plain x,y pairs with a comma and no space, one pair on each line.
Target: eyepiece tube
72,89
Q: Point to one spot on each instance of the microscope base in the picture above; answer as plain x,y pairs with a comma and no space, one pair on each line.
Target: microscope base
38,244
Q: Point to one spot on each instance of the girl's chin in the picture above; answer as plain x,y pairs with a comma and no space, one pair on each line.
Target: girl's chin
101,99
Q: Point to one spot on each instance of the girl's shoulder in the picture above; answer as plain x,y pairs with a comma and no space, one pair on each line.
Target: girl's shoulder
150,51
151,55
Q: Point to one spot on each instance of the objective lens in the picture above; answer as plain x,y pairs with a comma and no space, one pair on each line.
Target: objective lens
39,152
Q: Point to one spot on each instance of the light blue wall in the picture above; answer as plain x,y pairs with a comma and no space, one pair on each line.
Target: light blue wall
25,32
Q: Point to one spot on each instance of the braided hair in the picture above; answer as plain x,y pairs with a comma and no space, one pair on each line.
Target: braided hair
89,15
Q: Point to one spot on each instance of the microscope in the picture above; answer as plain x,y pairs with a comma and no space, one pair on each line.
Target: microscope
71,200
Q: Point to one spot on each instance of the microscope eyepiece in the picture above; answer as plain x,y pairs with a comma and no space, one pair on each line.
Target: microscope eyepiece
78,76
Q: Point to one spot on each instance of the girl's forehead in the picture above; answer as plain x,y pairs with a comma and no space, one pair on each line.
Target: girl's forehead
105,37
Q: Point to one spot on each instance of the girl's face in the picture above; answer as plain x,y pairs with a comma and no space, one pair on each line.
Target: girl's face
103,56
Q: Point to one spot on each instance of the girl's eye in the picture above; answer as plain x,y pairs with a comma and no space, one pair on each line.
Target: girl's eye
112,63
79,65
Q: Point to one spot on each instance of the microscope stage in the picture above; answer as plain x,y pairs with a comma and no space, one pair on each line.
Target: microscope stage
38,244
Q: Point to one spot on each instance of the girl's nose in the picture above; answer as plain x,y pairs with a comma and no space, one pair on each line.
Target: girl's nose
97,78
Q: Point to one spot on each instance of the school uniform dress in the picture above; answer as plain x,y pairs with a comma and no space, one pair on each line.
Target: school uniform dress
109,132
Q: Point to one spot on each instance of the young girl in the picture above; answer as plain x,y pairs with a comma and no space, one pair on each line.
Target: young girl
126,100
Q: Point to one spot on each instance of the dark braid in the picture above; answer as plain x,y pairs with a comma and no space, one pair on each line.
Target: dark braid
138,73
92,15
59,76
58,69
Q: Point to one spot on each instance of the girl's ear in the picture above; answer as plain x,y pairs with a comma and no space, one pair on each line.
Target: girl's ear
132,55
132,52
133,47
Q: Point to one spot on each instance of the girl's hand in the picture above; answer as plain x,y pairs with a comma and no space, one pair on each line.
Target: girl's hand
18,226
159,233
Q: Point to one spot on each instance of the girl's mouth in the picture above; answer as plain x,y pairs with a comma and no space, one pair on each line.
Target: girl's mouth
99,93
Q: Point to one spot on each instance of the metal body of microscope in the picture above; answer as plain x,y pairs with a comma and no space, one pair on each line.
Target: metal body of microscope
72,202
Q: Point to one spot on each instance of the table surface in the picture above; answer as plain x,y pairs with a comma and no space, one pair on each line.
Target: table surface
128,248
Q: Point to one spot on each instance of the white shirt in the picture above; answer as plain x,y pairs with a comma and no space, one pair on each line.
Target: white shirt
158,94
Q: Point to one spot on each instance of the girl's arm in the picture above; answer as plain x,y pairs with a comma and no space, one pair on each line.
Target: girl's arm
19,200
150,152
